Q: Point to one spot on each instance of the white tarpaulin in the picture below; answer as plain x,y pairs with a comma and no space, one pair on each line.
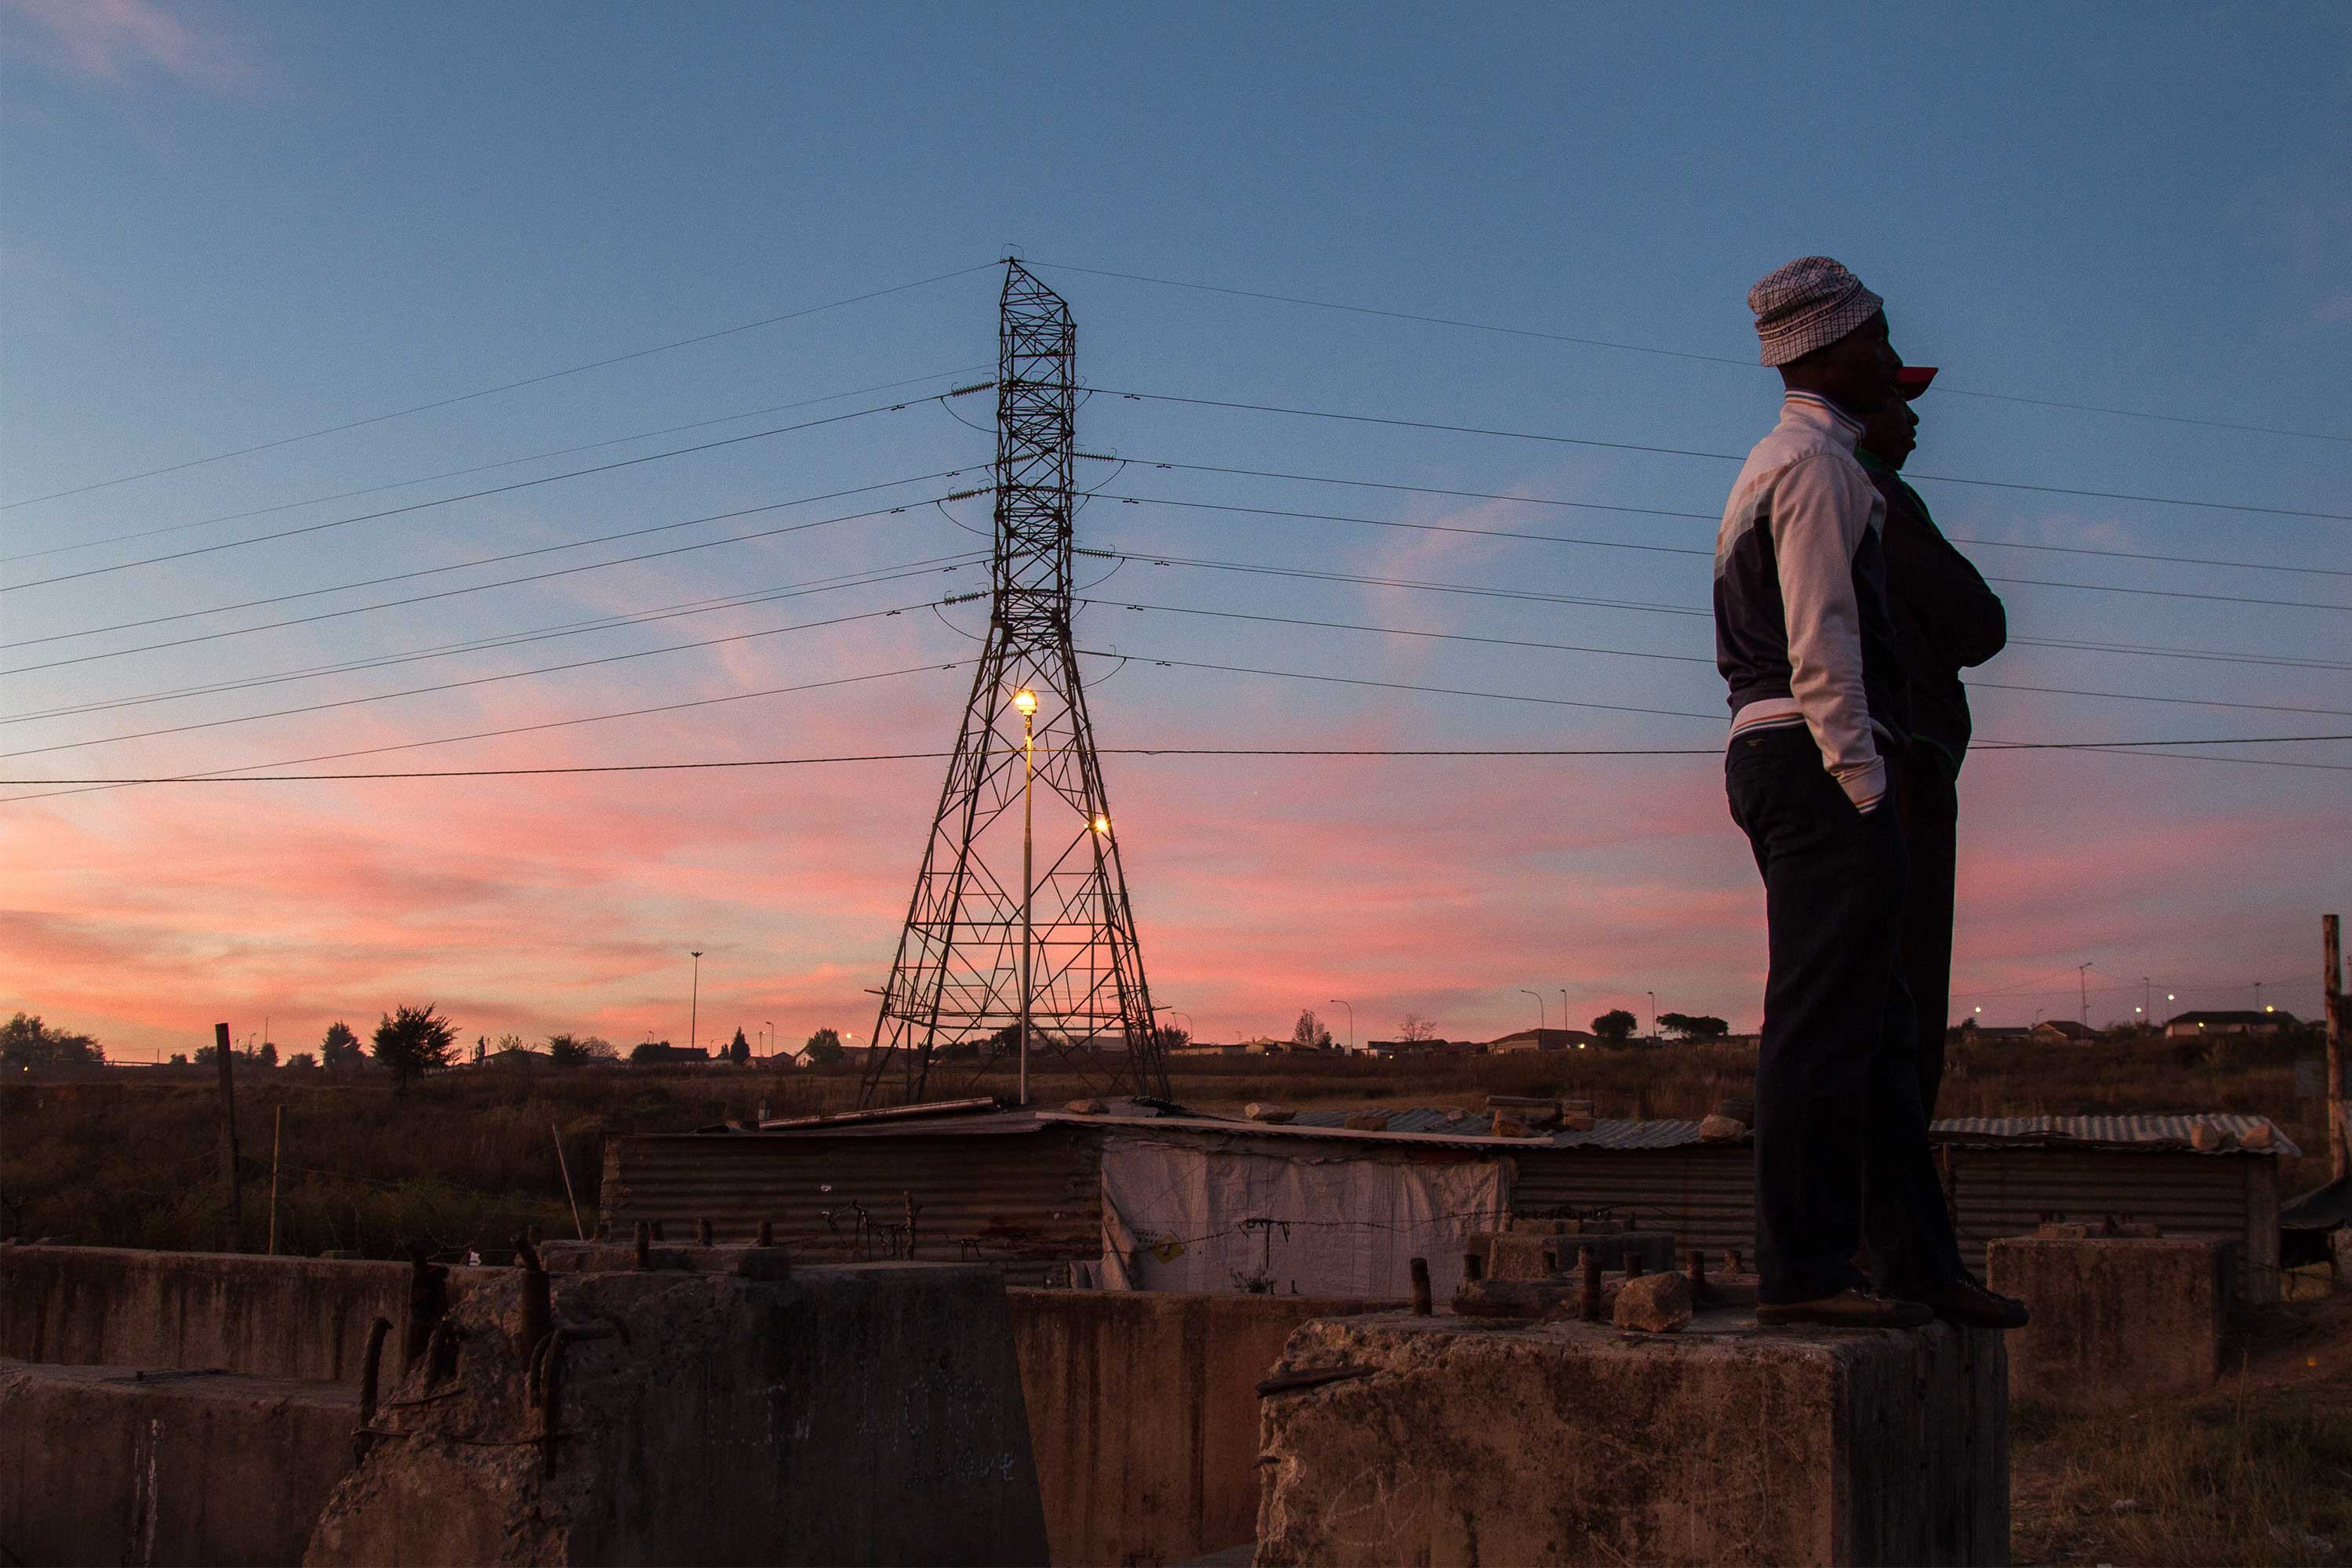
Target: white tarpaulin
1211,1215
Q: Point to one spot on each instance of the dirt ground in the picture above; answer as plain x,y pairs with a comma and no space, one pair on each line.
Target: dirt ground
2257,1471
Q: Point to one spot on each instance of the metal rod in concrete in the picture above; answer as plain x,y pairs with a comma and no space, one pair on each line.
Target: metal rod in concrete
222,1055
1697,1273
702,1231
644,1245
1589,1303
276,1144
767,1233
564,1166
1422,1307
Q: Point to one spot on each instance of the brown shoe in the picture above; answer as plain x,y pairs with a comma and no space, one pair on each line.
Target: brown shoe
1854,1309
1966,1302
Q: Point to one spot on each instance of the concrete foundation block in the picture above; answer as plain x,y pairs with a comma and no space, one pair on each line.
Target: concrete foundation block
2113,1313
101,1464
867,1414
1447,1440
1519,1254
1143,1413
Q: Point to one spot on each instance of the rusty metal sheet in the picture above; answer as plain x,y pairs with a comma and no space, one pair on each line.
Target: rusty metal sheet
993,1199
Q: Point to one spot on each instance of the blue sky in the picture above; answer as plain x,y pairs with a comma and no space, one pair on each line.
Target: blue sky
221,225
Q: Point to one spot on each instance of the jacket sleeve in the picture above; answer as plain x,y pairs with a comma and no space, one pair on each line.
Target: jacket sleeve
1821,509
1945,602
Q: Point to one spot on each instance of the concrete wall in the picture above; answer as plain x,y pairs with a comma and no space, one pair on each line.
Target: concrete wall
1143,1412
104,1465
302,1318
1460,1440
2113,1316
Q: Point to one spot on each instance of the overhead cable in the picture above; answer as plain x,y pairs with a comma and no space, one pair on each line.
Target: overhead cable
1669,353
221,773
858,579
504,386
1680,658
469,588
501,463
494,490
2111,747
1688,550
1710,518
470,681
1692,452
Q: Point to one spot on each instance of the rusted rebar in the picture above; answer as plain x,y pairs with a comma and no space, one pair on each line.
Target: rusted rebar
1422,1307
767,1233
702,1231
371,1376
644,1245
1697,1275
1587,1304
537,1314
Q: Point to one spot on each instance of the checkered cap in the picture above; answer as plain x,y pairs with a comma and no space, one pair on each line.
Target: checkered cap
1809,304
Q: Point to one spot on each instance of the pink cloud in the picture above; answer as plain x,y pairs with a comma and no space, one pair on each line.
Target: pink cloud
106,40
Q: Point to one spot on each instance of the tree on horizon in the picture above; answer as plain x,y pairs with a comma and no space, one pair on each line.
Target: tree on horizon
823,1048
340,1049
413,1041
739,1049
1616,1025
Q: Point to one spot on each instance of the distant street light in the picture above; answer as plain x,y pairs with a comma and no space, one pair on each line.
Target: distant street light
1539,1011
694,1009
1653,1016
1350,1006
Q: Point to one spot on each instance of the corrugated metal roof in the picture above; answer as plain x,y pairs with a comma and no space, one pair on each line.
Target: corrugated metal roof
2133,1132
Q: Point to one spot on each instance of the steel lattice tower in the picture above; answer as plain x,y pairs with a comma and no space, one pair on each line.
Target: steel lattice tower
952,1013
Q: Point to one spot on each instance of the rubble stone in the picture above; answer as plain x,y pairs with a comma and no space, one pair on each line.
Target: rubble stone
1654,1304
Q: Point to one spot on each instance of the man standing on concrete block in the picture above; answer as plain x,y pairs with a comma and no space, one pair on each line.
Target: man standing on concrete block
1803,639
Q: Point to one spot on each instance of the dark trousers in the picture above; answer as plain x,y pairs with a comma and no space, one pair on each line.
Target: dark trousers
1841,1139
1930,803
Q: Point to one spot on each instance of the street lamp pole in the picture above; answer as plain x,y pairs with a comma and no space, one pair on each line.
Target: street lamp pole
1653,1016
1350,1006
1026,701
694,1009
2083,994
772,1035
1539,1011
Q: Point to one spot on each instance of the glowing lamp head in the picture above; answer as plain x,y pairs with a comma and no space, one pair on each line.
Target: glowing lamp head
2268,1008
1026,700
1102,824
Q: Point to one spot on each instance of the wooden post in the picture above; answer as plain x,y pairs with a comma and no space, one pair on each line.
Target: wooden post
228,1137
276,1145
2331,988
565,1166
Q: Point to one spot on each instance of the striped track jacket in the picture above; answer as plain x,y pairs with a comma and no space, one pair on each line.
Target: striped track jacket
1801,630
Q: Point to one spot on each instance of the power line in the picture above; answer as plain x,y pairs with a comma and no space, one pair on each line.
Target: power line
221,774
1388,751
1668,354
1527,595
1709,518
470,681
1679,658
505,386
501,463
860,578
482,587
1686,550
1689,452
494,490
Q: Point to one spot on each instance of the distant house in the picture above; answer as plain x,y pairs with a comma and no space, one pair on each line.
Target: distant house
2241,1021
1393,1050
2065,1029
516,1059
1543,1040
661,1053
1206,1048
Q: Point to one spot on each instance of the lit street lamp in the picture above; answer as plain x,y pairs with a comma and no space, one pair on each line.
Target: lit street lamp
1539,1011
1350,1006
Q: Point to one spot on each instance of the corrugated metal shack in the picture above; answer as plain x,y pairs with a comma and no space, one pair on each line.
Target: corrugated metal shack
1023,1187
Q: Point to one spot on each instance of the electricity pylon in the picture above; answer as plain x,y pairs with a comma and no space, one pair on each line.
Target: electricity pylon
1020,921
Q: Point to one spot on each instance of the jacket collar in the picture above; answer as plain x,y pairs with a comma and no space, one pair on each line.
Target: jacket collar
1817,412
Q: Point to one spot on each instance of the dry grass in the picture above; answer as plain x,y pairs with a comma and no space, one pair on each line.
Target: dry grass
466,1158
2259,1473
